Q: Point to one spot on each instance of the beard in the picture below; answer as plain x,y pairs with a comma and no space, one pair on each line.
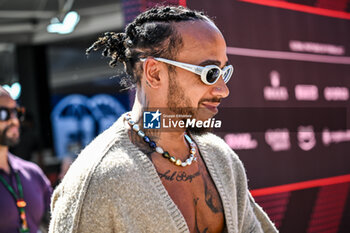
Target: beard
178,103
8,141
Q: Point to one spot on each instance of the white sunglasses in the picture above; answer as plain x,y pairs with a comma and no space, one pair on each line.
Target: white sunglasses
209,74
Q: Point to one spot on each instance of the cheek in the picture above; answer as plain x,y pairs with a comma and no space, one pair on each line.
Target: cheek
2,128
197,80
192,92
198,91
196,95
192,88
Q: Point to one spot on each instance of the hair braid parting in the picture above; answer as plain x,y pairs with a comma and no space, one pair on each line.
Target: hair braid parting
150,34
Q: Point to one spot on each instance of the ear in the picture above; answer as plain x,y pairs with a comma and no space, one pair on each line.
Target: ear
152,73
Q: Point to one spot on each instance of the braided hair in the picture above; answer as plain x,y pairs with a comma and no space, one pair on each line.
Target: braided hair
152,33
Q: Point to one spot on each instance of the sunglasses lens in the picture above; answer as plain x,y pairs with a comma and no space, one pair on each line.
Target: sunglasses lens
7,113
20,113
212,75
227,74
4,115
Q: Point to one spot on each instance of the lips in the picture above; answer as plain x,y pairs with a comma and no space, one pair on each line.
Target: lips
13,130
212,106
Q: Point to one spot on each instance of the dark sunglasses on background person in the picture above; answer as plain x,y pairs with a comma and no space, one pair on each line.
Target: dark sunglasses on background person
7,113
209,74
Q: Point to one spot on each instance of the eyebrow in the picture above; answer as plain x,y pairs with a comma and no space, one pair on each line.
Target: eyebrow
213,62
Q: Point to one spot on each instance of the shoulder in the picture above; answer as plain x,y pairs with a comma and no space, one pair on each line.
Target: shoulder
100,176
87,180
31,172
24,166
104,154
103,161
117,166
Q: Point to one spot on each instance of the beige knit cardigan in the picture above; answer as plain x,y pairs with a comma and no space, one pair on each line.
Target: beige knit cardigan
113,187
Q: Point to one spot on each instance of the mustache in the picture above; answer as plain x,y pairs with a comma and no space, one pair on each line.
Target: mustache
7,129
213,100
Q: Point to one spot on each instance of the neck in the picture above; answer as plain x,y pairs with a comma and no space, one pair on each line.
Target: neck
4,165
168,140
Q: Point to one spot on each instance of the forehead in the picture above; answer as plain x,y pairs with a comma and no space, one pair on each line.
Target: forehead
6,101
201,40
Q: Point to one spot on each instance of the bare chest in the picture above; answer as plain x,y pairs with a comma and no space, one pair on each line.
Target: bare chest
195,194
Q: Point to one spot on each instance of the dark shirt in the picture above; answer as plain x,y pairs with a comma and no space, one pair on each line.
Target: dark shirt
36,191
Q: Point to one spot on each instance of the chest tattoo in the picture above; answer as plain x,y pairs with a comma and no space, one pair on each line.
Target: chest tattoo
212,199
178,176
205,230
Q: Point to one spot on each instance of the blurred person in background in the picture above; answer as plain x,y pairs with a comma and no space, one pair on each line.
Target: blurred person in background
132,179
25,191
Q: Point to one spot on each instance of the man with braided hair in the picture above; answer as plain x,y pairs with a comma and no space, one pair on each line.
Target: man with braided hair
134,179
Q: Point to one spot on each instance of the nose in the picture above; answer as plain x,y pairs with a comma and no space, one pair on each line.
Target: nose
14,119
220,89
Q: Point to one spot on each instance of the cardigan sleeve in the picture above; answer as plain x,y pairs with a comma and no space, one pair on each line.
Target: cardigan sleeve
251,216
61,218
265,222
255,220
92,212
96,211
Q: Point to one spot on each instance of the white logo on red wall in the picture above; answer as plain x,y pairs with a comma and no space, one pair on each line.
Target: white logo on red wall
306,92
278,139
314,47
275,92
241,141
338,136
306,137
336,93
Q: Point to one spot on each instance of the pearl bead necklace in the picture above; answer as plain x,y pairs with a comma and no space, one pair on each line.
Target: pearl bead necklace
159,150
